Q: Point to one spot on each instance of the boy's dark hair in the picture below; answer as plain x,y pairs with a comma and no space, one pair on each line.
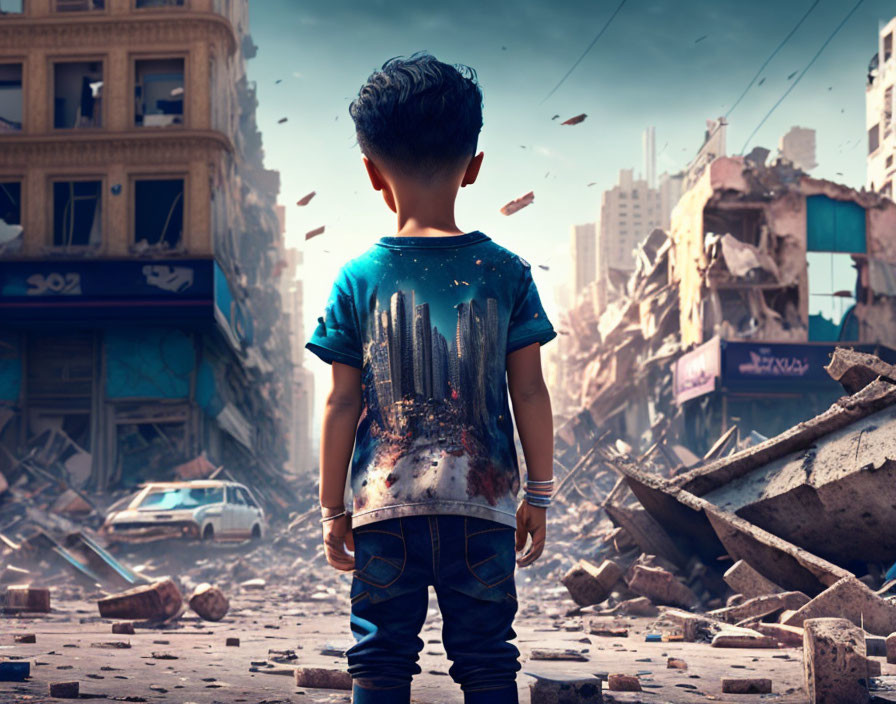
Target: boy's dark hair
418,115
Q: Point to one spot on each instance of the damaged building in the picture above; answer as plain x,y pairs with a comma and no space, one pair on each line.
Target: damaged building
139,302
730,317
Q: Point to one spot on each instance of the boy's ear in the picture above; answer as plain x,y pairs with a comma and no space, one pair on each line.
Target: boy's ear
379,183
472,170
376,180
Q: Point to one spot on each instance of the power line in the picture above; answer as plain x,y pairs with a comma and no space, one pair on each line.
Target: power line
772,56
590,47
800,77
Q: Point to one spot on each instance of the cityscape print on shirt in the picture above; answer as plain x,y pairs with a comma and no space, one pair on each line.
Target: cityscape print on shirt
434,399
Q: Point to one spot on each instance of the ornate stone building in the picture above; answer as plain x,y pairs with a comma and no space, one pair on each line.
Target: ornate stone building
139,244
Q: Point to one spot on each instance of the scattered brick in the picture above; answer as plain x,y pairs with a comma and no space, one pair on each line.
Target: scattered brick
623,683
322,678
65,690
588,583
209,602
751,685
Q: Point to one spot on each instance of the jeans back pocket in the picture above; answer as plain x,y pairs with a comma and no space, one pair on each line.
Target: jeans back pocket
489,550
381,551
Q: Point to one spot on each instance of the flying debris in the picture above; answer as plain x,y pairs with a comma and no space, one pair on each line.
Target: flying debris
700,39
761,81
518,204
545,267
305,200
522,146
315,232
792,75
503,48
279,80
575,120
282,120
591,184
555,117
547,173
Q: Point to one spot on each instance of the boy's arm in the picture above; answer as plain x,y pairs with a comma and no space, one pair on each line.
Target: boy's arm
340,420
534,423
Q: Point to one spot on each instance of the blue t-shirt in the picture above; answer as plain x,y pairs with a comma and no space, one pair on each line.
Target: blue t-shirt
429,321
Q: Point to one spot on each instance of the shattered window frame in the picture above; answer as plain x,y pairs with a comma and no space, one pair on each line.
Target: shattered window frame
66,6
135,220
837,244
96,221
160,4
96,95
873,138
138,90
9,125
11,192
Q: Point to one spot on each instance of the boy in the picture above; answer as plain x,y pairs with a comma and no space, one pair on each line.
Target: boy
421,331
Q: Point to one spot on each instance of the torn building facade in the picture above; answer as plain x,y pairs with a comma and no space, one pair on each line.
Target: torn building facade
138,311
731,316
879,113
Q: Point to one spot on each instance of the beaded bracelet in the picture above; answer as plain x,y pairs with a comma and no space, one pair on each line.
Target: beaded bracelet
538,492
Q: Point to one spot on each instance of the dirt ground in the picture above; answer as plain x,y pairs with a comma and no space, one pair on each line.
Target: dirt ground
191,663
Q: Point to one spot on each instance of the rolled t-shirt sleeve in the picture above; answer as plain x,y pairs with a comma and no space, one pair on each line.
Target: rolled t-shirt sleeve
336,337
528,321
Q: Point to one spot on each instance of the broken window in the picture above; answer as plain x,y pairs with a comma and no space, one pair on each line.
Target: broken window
889,161
743,224
888,46
79,5
10,212
10,97
836,245
159,211
11,7
77,213
159,3
887,117
78,94
873,139
159,92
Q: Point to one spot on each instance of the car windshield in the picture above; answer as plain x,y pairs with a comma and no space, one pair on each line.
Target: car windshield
182,498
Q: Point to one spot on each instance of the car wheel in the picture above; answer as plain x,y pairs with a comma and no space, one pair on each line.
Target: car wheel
209,532
256,532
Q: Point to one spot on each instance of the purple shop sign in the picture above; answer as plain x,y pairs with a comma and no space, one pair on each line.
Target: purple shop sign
696,372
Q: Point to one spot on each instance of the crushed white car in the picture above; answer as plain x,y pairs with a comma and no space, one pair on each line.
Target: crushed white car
206,509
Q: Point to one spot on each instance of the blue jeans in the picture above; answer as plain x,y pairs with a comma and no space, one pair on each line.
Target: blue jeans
470,563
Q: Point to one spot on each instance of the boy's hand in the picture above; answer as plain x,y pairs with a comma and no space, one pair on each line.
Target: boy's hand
338,537
530,520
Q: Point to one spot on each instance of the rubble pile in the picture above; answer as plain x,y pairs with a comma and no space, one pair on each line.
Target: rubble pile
787,542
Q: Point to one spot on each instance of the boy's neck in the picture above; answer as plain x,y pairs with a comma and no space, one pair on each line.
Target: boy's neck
426,213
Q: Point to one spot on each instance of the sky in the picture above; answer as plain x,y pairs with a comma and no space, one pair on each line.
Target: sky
671,64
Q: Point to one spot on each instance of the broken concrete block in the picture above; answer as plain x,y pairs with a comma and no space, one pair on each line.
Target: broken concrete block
124,629
746,685
743,579
209,602
619,682
834,662
25,638
233,642
742,638
27,598
640,606
849,598
560,690
257,583
891,648
322,678
661,587
791,636
157,601
65,690
855,370
693,627
558,654
588,583
761,606
598,627
676,664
